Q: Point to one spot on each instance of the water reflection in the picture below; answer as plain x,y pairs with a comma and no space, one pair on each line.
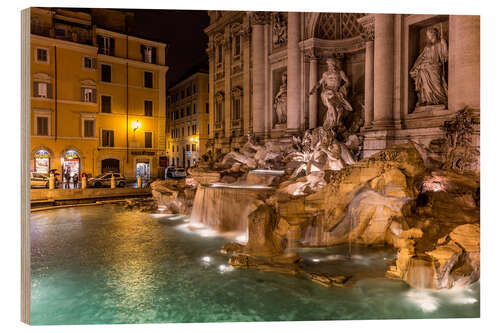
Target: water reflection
107,265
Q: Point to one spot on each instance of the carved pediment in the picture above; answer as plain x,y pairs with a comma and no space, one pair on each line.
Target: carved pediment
237,92
219,97
41,77
88,83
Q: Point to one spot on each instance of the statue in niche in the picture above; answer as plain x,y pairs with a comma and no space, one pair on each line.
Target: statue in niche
279,104
333,84
279,30
428,71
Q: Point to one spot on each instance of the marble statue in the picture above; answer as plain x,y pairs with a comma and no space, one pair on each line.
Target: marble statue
333,84
428,71
279,104
279,30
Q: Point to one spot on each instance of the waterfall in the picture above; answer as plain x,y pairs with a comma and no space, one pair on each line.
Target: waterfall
225,207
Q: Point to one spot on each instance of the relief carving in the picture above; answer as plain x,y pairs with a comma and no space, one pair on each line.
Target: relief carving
280,33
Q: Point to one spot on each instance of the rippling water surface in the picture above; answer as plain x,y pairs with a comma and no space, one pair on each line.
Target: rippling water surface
104,264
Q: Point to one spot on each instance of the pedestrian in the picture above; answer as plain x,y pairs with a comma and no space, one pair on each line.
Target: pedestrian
66,178
75,180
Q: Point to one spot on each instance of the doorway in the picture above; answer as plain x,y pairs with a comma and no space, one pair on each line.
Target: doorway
143,170
71,163
110,165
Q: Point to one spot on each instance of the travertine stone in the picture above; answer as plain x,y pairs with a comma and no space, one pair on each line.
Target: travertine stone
293,69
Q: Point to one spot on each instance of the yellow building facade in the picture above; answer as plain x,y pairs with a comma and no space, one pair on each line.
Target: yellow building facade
188,126
98,98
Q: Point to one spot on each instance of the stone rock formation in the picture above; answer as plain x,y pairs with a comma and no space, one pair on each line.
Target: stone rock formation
174,195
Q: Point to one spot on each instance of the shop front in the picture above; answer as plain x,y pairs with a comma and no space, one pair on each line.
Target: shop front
42,161
70,163
143,169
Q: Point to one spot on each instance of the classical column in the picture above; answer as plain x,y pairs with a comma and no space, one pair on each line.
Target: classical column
368,35
313,79
226,46
383,80
464,62
293,73
211,63
268,110
258,19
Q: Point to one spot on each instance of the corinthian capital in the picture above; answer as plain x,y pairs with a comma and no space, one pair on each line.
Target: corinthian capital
259,18
368,24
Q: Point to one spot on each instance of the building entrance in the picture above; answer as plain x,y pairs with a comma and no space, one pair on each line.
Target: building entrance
42,161
143,170
71,163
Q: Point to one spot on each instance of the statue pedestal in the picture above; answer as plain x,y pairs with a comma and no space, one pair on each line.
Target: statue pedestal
429,108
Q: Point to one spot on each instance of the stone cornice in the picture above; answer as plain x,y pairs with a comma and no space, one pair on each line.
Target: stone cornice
333,46
47,41
135,63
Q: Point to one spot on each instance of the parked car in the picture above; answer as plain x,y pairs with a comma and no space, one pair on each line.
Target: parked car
104,180
41,180
175,172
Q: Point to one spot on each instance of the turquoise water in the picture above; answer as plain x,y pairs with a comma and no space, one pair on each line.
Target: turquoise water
104,264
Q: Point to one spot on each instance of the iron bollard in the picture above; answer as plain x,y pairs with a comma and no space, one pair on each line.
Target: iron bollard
113,181
52,181
139,182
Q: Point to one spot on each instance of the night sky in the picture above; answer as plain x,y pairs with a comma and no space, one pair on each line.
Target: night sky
182,30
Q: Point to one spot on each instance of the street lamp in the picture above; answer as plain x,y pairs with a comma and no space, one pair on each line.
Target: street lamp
136,125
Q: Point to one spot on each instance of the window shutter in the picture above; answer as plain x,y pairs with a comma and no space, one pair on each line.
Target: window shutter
154,55
100,44
143,53
82,93
94,63
112,138
112,46
49,90
94,93
35,89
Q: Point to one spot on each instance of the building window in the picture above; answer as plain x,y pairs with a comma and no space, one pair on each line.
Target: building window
183,132
207,110
189,130
148,139
236,109
194,89
194,129
193,147
187,148
148,54
42,55
105,104
89,128
89,62
42,126
176,114
194,108
105,73
182,113
148,108
237,45
208,129
148,80
106,45
188,91
88,95
42,89
108,138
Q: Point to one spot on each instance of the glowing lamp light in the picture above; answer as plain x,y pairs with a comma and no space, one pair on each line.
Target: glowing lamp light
136,125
